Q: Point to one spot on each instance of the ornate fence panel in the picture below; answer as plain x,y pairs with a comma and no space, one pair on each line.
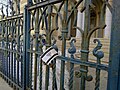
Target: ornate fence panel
28,41
47,17
11,45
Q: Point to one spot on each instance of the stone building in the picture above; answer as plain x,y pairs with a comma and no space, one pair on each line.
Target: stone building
94,17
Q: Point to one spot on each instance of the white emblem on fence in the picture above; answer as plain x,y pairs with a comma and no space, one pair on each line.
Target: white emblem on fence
49,55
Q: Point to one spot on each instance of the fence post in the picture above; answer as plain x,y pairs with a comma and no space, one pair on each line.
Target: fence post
114,58
26,46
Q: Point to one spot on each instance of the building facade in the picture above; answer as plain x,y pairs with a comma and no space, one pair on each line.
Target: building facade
97,7
95,17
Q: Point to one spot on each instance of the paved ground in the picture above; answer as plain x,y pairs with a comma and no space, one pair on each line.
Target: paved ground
91,85
4,85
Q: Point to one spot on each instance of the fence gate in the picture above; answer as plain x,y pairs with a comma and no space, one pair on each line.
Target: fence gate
11,45
29,42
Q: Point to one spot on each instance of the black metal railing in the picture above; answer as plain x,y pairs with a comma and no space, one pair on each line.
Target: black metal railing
25,37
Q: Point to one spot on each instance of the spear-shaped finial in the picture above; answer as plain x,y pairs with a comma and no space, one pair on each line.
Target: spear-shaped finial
11,7
3,15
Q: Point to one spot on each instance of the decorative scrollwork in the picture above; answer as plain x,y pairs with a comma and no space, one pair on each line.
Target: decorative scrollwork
11,7
3,15
72,48
99,55
96,53
18,6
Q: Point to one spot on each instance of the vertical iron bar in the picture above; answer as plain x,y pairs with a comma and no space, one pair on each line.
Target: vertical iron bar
14,54
99,55
40,72
21,66
54,83
7,43
85,45
2,65
30,70
26,45
18,45
114,57
12,34
9,57
24,49
71,75
97,83
29,2
36,48
14,63
40,75
49,43
5,56
17,72
72,51
3,60
30,66
64,35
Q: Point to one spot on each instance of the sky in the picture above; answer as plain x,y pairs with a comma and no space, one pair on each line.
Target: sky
4,2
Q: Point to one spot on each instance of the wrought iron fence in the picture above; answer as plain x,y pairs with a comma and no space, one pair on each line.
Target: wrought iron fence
11,45
22,44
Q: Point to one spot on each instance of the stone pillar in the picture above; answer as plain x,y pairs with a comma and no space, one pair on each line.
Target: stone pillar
80,23
80,20
22,4
108,20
